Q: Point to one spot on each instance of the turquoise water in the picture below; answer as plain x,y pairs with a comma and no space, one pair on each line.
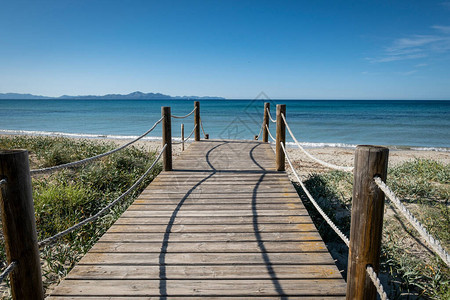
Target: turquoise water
421,124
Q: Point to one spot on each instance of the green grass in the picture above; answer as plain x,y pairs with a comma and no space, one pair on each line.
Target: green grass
423,185
71,195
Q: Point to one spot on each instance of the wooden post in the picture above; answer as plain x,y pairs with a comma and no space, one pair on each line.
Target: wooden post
197,120
281,137
167,138
366,220
182,137
19,225
265,138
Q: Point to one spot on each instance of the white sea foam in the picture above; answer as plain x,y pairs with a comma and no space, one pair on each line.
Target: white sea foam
320,145
437,149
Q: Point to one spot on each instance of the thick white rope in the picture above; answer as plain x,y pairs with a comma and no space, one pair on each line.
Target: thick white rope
8,270
376,282
185,116
331,166
203,130
103,210
86,160
434,244
2,182
270,117
190,134
271,136
186,139
260,131
322,213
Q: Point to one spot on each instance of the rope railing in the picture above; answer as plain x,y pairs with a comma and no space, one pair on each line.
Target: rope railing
376,282
270,117
190,134
103,210
8,270
331,166
86,160
185,116
203,130
313,201
260,132
271,136
431,241
186,139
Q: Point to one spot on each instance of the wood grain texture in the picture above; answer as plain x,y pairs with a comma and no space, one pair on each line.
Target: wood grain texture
19,225
366,220
222,224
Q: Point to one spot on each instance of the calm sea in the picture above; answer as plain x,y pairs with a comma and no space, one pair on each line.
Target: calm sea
417,124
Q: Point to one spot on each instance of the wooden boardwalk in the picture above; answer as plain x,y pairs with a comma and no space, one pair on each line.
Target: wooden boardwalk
222,224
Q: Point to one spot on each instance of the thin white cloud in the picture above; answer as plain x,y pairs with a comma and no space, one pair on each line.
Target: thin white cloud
443,29
421,65
417,46
408,72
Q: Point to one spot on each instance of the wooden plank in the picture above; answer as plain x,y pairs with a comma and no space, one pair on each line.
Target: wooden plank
205,272
210,247
208,220
211,287
321,297
221,213
319,258
258,206
207,237
224,201
214,228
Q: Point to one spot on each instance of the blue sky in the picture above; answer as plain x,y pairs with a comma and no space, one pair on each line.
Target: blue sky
234,49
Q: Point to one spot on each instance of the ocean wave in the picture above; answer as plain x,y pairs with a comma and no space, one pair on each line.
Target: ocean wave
437,149
320,145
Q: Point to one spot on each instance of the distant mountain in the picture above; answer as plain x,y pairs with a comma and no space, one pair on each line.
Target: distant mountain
21,96
131,96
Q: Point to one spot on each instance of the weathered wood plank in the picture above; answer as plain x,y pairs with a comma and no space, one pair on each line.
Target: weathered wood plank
211,287
210,247
221,213
319,297
205,272
208,220
258,206
214,228
319,258
207,237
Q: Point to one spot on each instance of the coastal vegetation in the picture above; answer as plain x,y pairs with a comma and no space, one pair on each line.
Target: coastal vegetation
67,197
409,269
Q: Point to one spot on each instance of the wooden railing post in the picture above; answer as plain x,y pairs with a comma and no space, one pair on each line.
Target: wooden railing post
197,120
19,225
265,138
366,220
182,137
281,137
167,138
